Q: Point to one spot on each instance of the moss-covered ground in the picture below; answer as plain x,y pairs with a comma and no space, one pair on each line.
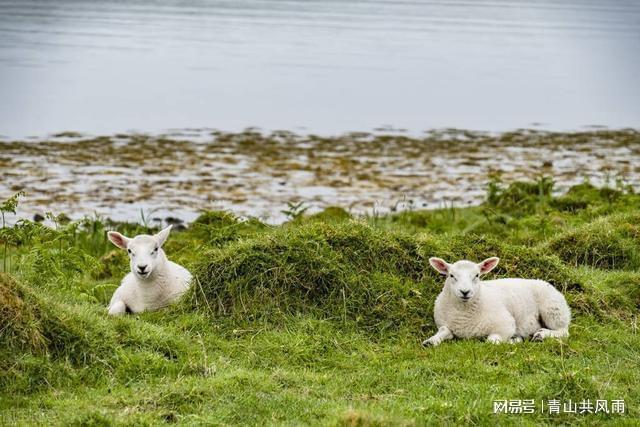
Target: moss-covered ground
319,320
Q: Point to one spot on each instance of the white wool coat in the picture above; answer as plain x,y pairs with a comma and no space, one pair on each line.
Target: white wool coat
506,307
165,285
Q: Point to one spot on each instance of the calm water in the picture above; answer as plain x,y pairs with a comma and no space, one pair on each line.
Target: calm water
322,66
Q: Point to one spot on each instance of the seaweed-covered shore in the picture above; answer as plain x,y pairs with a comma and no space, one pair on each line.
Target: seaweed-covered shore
254,174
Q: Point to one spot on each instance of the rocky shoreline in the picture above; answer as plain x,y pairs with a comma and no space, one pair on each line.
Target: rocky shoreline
135,177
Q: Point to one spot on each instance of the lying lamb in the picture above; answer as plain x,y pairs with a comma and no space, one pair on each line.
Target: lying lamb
154,281
501,310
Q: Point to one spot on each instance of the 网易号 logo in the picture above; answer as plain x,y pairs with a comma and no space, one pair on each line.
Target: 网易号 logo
555,406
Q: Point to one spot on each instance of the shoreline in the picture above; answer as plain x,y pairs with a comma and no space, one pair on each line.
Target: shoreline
252,174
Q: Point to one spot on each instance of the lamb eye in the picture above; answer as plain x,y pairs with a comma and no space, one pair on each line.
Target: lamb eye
154,250
129,250
453,277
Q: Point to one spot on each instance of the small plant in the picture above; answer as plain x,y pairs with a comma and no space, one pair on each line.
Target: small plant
145,217
295,210
10,205
7,236
92,237
521,197
494,189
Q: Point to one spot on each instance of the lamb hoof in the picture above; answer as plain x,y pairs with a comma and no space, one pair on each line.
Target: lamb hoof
515,339
539,335
430,343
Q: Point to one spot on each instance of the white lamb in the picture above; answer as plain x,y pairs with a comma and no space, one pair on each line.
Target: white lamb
501,310
154,281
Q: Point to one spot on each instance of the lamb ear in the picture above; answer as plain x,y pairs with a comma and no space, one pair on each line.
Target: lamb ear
162,235
488,264
440,265
118,239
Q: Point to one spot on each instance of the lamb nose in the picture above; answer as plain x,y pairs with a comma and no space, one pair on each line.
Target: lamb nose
142,268
464,293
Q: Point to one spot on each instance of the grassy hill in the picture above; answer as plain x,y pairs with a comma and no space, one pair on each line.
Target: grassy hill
320,320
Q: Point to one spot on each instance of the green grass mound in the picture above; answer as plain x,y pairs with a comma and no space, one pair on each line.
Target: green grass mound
609,294
585,195
344,271
331,213
610,242
351,271
19,319
36,329
66,345
47,325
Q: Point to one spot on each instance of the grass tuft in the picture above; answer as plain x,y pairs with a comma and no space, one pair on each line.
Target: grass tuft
610,242
19,318
346,271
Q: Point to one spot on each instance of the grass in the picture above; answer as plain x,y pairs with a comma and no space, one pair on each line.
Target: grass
319,321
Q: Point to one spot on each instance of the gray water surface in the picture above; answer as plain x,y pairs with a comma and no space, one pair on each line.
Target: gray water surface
317,66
